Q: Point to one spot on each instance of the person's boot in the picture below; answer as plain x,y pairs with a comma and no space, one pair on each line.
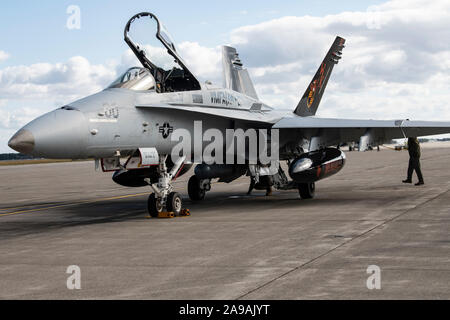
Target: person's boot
407,181
251,187
419,183
268,192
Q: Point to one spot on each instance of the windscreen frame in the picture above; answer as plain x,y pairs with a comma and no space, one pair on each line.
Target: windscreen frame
159,73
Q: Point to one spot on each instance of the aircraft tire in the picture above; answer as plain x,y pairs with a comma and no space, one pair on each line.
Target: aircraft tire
152,206
194,190
174,203
307,190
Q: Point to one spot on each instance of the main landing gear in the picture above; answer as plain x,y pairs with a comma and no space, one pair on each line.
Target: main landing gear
163,196
307,190
197,188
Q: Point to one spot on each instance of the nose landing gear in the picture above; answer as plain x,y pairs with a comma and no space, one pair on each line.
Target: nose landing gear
164,197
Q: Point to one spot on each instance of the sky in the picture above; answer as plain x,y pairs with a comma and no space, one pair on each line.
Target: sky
396,63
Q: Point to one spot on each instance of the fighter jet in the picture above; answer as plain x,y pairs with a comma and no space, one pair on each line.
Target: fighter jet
136,117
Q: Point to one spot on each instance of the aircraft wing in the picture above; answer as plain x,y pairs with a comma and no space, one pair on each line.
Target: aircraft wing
332,131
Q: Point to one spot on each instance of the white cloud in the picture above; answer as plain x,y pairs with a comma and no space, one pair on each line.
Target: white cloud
3,56
66,81
396,63
205,62
18,118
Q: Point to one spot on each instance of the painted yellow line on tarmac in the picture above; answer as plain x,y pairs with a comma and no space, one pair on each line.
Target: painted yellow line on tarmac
24,206
74,203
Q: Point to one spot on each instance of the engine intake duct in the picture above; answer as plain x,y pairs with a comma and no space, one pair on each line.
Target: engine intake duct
317,165
136,177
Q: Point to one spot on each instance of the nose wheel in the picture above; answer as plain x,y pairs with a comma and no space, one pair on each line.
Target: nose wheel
154,206
174,203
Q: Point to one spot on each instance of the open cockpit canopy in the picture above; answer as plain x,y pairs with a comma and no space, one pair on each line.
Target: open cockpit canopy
158,55
136,78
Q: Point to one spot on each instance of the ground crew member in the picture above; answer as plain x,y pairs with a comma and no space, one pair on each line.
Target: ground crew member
253,183
414,161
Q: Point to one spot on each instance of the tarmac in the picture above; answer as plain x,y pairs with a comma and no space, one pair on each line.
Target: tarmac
232,246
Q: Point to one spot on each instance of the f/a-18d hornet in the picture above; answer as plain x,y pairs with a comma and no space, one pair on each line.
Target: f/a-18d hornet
128,128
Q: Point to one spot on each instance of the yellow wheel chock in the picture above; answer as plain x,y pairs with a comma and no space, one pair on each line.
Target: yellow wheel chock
166,215
185,213
170,214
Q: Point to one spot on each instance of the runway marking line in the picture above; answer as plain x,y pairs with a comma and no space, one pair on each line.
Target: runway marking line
24,206
73,203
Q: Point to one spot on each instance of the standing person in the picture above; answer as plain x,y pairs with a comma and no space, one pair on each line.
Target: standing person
268,186
252,185
414,161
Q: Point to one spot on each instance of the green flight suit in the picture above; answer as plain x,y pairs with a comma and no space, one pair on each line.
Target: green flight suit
414,159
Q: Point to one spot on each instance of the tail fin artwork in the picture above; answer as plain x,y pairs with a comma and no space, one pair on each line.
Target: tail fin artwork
309,103
235,76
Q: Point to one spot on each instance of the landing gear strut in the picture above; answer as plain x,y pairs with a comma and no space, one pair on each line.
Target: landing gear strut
163,196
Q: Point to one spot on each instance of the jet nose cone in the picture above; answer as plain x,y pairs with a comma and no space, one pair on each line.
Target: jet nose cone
22,141
59,134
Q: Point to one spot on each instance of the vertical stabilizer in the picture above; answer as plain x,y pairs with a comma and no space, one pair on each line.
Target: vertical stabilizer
235,77
310,101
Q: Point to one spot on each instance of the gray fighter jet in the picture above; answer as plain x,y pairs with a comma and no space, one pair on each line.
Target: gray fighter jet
137,115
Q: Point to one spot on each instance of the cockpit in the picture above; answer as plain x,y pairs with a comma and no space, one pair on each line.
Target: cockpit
135,78
161,62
